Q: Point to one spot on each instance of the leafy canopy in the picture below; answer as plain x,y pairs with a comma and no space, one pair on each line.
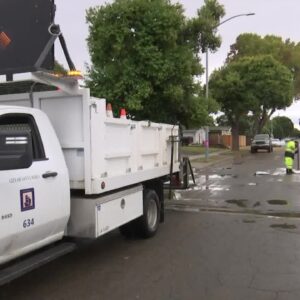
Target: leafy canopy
246,85
286,52
245,125
145,57
281,127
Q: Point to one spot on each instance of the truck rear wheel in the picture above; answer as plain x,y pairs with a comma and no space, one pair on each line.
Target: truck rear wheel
147,225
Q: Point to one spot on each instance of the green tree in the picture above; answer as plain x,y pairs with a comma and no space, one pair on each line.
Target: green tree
281,127
247,84
296,133
145,57
245,126
285,51
222,121
272,85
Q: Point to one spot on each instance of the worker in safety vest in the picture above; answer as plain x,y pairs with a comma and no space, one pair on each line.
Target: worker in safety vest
291,148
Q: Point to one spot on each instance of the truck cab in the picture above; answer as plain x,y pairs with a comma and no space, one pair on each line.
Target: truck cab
34,183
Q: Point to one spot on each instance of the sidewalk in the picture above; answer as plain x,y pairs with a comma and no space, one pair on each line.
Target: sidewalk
199,161
215,158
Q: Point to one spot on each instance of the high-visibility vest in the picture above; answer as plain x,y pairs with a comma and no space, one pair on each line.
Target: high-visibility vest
290,148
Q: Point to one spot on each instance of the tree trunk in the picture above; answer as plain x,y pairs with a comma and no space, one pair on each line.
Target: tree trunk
264,118
235,136
262,121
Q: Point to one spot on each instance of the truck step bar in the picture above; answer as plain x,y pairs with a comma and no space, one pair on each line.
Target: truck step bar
33,262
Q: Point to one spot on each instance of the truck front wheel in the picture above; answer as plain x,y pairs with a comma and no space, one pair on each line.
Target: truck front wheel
148,223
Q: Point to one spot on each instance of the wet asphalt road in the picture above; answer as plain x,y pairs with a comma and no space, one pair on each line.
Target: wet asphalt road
241,187
233,236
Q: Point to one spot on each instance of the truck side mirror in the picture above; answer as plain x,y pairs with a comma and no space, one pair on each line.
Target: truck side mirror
15,149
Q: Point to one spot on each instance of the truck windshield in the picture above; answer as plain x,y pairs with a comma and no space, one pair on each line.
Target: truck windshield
261,137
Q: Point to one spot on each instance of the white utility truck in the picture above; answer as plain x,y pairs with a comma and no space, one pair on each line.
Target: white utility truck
66,169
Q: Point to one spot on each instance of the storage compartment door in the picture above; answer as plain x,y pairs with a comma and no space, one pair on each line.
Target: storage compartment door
114,213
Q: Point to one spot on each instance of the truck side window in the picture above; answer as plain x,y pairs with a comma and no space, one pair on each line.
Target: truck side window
24,122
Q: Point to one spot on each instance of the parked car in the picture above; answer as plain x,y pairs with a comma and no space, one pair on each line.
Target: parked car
277,143
261,141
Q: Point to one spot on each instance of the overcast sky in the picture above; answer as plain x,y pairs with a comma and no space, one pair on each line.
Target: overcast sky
277,17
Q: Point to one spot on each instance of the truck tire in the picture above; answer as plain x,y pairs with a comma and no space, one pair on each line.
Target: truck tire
147,225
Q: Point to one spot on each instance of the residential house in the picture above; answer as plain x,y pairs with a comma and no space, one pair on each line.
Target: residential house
194,136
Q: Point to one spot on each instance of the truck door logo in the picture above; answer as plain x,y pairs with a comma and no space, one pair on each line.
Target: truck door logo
27,199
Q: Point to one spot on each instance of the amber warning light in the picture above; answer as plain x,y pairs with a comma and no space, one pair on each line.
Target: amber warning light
4,40
75,73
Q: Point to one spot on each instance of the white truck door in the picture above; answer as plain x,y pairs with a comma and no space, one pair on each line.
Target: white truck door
33,208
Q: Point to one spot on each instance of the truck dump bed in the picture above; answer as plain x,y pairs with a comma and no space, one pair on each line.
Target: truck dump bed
103,154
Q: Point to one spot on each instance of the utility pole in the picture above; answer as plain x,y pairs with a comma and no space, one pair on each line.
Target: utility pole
207,101
271,128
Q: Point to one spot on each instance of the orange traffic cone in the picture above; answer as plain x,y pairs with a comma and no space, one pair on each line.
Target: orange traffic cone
123,113
109,112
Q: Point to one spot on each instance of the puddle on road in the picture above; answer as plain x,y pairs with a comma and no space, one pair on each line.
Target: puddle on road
242,202
277,202
249,221
209,182
181,208
258,173
177,195
279,171
221,176
238,202
209,187
284,226
213,187
283,214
